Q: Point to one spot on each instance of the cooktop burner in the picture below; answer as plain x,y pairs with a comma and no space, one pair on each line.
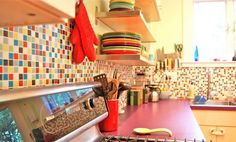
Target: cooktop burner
137,139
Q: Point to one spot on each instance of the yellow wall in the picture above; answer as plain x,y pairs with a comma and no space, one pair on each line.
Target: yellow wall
102,5
169,30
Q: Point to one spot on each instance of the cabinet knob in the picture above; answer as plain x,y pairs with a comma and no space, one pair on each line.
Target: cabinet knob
217,132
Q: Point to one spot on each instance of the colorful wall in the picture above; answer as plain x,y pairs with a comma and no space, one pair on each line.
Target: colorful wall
41,55
222,81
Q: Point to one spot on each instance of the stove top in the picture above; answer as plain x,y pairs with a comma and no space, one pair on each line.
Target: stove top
138,139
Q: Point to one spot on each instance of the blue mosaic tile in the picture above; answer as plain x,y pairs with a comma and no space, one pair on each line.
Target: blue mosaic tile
10,84
44,36
5,76
25,38
16,43
20,63
1,62
10,56
25,76
37,76
33,52
33,45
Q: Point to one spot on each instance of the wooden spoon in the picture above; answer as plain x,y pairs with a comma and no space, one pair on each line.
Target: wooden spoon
143,131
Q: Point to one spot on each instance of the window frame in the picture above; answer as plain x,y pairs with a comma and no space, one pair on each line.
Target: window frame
230,35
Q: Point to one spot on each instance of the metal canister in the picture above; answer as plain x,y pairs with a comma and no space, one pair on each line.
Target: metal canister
146,94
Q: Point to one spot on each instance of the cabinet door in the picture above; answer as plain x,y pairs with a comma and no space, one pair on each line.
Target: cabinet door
229,134
207,133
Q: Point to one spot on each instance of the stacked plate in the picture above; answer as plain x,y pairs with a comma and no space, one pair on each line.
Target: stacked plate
117,5
121,43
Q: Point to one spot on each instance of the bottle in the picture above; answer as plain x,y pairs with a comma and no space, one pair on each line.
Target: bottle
191,91
234,57
196,57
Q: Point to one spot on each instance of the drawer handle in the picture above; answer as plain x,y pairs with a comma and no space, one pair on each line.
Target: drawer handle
219,132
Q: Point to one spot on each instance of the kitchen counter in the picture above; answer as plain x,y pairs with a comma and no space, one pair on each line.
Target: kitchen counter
175,115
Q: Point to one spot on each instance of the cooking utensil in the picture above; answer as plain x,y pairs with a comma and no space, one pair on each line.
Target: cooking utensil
122,87
115,73
113,89
143,131
102,78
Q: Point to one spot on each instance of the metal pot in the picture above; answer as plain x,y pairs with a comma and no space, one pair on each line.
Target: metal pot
155,93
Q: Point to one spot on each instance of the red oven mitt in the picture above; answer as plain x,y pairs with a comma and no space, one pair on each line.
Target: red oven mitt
78,53
87,34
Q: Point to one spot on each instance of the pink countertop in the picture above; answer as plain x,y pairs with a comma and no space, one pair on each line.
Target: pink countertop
175,115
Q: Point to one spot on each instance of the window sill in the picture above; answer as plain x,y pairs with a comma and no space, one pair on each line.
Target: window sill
209,64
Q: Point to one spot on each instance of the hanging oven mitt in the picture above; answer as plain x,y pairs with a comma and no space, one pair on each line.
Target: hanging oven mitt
78,53
88,37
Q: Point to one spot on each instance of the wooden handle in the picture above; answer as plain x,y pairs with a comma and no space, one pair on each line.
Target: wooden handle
219,132
163,130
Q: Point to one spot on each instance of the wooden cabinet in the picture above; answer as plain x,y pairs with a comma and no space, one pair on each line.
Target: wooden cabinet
217,126
219,133
30,12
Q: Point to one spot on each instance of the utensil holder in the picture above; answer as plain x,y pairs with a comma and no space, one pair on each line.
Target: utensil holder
111,122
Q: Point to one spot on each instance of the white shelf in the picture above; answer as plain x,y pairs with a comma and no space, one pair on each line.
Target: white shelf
149,8
127,21
134,60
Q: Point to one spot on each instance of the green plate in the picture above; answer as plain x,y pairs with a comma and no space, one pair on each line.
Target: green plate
121,48
115,5
121,35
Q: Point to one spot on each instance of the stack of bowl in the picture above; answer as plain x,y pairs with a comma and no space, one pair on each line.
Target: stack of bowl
121,43
117,5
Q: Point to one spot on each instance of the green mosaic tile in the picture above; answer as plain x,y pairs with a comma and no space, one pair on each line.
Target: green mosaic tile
25,83
10,35
33,39
15,69
20,43
20,30
25,63
33,77
11,48
1,85
1,32
1,47
29,39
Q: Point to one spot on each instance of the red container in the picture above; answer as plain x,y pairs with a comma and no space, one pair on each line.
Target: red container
111,122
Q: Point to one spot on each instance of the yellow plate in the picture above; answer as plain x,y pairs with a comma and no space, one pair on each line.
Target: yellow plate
128,1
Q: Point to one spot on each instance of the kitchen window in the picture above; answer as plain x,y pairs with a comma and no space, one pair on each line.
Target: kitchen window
214,29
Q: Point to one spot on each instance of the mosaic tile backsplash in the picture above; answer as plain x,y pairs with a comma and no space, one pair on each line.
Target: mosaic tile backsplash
222,81
41,55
